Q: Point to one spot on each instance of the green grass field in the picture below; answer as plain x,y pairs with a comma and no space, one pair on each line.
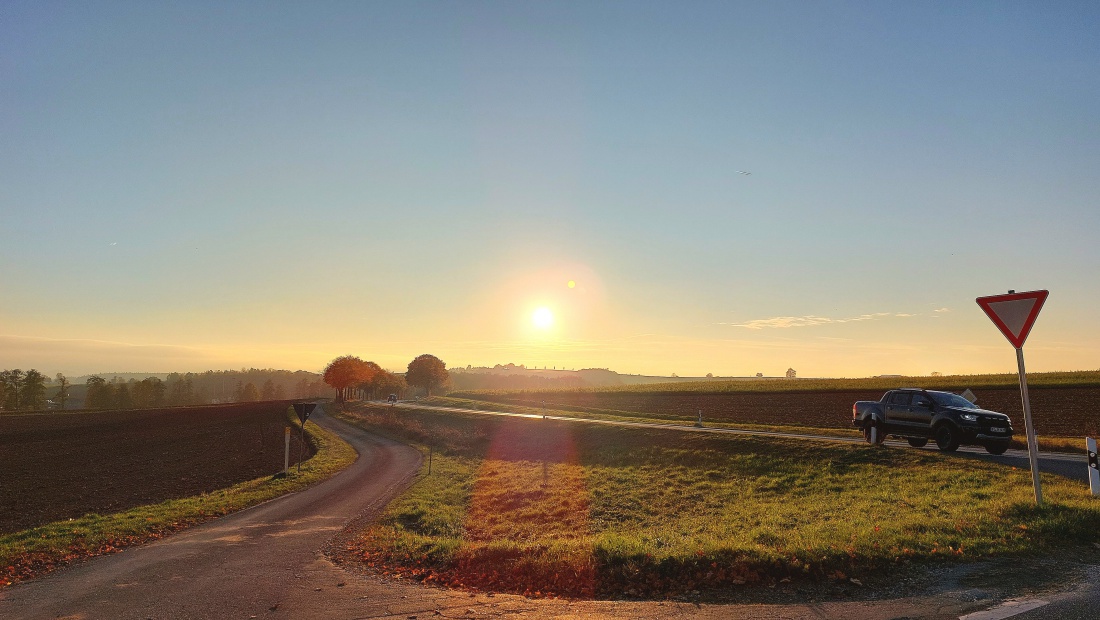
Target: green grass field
558,508
33,552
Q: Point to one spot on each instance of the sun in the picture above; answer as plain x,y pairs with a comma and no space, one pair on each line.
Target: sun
543,318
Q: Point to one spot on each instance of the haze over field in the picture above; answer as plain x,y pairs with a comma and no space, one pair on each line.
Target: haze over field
654,188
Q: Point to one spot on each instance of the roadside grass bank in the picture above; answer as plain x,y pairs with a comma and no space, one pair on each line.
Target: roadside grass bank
1069,445
33,552
552,508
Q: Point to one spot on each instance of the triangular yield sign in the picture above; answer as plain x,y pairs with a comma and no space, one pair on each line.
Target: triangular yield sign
1014,314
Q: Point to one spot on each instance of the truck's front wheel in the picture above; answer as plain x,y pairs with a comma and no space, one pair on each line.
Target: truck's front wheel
918,442
947,438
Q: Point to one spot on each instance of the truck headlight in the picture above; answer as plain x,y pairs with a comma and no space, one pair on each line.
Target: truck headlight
969,417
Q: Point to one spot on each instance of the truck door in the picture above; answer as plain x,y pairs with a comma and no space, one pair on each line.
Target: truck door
897,409
921,410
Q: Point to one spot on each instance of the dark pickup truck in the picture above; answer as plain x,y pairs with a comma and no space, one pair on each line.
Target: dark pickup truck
919,415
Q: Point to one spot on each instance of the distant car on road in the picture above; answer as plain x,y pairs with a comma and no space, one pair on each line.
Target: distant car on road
392,399
918,415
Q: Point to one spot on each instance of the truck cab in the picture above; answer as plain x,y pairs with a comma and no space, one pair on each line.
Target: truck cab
918,415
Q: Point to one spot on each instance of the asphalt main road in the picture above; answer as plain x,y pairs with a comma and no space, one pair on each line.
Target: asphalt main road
1073,466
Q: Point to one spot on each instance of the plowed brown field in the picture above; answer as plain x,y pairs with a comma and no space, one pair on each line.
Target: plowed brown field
1057,412
62,465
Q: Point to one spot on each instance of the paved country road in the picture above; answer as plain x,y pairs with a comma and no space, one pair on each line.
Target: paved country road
1073,466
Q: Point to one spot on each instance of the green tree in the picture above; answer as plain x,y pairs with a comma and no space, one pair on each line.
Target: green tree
250,394
100,394
268,392
428,372
390,383
62,390
13,384
182,391
33,390
149,392
124,399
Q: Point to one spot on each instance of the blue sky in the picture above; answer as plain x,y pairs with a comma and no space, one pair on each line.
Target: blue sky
218,185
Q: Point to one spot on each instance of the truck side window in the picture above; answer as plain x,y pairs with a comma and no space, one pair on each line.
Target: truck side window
900,398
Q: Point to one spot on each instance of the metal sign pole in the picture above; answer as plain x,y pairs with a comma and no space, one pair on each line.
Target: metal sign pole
1032,444
286,451
300,445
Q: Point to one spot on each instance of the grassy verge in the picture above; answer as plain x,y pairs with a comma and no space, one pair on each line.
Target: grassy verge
553,508
1071,445
33,552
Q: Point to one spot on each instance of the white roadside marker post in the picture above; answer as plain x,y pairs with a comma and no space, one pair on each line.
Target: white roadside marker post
874,432
1014,314
286,451
1094,466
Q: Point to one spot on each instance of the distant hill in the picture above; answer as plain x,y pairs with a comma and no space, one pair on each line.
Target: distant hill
513,377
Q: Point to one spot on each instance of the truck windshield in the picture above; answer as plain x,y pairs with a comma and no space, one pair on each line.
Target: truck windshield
947,399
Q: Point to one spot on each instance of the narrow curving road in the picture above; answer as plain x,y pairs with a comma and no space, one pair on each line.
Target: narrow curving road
245,565
1074,466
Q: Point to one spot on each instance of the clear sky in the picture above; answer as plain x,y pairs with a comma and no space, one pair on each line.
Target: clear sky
193,185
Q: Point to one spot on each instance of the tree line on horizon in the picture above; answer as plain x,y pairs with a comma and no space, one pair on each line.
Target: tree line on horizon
351,376
31,390
23,391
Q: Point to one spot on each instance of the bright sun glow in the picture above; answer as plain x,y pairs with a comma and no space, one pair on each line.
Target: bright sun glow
542,318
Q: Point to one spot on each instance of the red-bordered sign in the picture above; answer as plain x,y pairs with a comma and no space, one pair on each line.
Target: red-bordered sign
1014,314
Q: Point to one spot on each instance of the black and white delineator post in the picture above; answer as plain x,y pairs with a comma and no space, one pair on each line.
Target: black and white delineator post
303,410
1014,314
1094,466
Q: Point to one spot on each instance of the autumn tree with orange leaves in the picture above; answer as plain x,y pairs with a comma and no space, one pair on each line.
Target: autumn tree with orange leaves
346,373
427,371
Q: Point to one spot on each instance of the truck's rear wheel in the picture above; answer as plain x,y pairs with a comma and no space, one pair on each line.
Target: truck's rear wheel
947,438
917,442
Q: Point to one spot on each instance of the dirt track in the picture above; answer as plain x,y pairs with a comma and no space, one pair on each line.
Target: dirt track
63,465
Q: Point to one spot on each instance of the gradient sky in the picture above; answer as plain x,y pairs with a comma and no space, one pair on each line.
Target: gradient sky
215,185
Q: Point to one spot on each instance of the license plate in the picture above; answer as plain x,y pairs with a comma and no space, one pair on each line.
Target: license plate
998,429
